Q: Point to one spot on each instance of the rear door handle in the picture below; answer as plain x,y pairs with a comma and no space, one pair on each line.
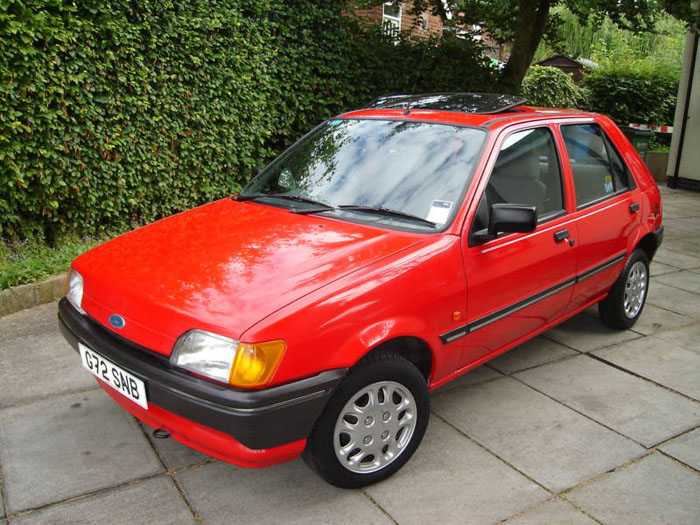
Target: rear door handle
561,235
634,207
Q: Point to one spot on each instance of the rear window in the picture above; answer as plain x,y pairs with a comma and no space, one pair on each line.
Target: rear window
597,168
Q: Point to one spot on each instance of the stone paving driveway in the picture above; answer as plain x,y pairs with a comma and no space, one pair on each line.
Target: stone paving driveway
580,425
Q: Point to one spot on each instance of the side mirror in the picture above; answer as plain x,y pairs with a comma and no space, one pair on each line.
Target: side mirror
508,218
512,218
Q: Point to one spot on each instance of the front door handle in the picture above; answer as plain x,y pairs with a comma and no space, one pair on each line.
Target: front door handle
634,207
561,235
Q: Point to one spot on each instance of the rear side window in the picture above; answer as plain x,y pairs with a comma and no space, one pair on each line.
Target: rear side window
597,168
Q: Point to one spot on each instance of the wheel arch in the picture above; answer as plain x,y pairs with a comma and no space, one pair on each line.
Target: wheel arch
648,244
412,348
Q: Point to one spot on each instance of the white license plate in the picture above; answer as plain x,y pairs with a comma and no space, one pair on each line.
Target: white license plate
119,379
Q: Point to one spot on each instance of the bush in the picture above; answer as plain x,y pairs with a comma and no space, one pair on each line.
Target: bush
551,88
115,113
633,95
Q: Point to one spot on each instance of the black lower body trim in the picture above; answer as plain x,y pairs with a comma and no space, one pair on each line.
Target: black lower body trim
486,320
659,234
258,419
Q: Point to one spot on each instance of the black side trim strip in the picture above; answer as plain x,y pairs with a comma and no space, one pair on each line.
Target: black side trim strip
508,310
486,320
604,266
455,334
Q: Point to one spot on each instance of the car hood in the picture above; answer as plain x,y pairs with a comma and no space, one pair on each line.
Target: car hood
221,267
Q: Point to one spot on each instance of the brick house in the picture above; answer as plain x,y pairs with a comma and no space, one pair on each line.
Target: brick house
399,18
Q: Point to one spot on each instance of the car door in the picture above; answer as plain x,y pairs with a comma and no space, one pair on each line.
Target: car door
607,208
518,283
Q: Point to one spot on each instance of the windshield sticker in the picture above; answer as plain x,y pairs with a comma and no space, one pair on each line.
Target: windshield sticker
334,122
439,211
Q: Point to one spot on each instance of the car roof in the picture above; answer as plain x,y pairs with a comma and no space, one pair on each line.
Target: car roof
467,109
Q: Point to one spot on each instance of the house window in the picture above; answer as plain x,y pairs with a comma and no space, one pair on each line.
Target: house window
391,19
423,21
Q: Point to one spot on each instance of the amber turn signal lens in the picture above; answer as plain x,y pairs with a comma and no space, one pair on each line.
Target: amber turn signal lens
255,363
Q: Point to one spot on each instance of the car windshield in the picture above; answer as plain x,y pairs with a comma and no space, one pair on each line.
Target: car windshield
397,173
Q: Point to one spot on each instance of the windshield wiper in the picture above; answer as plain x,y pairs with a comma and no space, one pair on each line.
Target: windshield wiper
387,212
322,205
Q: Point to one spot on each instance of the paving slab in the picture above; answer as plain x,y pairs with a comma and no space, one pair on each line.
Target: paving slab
534,352
685,280
39,366
685,448
64,447
688,337
585,333
544,439
2,495
651,491
674,299
632,406
471,378
175,455
679,211
33,321
151,501
674,232
655,319
676,259
287,493
659,268
452,480
669,365
552,512
682,245
691,224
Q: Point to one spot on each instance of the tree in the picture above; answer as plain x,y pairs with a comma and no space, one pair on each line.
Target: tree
526,22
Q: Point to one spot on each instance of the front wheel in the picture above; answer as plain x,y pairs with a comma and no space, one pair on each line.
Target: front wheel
623,305
372,425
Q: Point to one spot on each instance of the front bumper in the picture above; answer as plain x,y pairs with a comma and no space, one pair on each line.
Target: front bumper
246,427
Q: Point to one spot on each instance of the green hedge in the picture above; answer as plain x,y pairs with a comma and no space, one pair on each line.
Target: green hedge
114,113
552,88
632,96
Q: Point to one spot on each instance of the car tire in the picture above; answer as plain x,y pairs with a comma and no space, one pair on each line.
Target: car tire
625,302
373,423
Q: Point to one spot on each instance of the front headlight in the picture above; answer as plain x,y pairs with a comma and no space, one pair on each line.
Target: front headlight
227,360
74,290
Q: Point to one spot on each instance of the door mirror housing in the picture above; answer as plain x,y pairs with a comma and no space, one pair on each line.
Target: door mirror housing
508,218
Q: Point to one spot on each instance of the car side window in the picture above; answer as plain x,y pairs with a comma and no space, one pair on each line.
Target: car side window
597,168
526,172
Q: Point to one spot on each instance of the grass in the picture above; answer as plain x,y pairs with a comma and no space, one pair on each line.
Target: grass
33,260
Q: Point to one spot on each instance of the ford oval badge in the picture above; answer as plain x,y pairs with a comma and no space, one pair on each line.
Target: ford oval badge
117,321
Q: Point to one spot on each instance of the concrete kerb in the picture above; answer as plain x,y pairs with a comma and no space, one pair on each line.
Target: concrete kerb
29,295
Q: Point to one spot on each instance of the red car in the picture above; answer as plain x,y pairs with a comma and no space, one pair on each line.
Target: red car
389,251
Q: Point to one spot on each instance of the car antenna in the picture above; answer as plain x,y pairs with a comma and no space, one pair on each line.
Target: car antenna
415,81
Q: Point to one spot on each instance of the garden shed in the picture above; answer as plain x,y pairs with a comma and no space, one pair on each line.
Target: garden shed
571,66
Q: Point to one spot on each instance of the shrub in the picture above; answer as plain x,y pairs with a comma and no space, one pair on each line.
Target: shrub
552,88
634,95
116,113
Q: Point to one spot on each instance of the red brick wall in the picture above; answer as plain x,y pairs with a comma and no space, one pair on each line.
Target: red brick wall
374,15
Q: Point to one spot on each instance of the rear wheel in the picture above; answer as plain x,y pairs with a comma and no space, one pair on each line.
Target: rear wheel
623,305
372,425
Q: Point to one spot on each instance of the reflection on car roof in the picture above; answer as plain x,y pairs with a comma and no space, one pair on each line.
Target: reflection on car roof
475,103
